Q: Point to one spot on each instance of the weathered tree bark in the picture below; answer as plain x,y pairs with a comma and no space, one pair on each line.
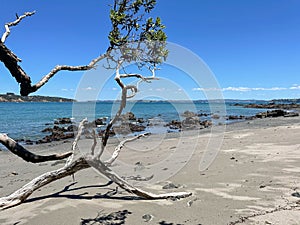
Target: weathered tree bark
23,193
11,61
28,156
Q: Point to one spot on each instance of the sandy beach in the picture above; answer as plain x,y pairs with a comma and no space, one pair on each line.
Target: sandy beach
253,180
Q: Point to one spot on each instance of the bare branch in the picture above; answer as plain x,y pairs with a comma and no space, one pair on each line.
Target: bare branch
75,142
94,143
120,146
14,23
28,156
100,166
58,68
105,135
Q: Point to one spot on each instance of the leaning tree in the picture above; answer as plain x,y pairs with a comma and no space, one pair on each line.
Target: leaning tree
132,39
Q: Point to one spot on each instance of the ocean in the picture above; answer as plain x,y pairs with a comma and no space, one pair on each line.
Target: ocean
26,120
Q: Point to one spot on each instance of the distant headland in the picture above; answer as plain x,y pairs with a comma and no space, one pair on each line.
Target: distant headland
11,97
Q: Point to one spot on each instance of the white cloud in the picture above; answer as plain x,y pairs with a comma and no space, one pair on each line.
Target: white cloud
247,89
243,89
114,89
206,89
66,89
88,89
236,89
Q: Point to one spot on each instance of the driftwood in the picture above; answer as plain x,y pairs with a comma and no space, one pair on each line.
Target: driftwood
90,160
72,165
71,168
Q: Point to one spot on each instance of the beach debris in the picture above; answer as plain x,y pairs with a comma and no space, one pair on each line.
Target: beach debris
170,186
139,178
147,217
190,202
14,173
296,194
118,217
139,166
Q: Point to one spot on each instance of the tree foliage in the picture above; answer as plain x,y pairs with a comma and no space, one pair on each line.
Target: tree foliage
137,39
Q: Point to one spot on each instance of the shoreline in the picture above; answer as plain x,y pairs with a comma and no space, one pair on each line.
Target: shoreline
255,172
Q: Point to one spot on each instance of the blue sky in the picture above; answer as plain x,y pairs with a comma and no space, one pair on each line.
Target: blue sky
251,46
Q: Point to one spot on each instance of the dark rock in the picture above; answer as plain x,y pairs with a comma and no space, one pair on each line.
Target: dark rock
127,128
58,129
128,116
111,132
95,123
29,142
215,116
203,114
189,114
98,121
140,120
136,128
174,124
64,120
72,128
190,121
273,113
47,130
170,186
235,117
206,123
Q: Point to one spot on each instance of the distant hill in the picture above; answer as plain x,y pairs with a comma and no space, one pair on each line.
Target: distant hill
11,97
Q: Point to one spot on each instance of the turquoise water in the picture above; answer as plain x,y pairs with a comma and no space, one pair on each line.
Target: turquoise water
26,120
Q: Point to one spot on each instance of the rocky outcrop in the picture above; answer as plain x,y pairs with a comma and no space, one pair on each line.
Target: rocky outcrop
276,113
189,123
270,106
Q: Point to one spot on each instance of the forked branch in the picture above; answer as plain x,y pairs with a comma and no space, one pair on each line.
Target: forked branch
11,62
